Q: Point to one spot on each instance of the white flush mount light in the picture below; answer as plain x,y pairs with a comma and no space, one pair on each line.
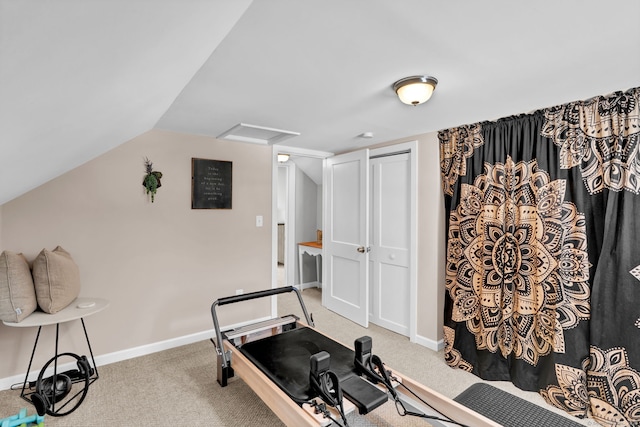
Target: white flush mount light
256,134
283,158
415,90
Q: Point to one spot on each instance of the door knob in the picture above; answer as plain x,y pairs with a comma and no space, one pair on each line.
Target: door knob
362,249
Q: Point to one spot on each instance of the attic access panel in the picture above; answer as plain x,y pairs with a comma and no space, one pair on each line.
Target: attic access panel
256,134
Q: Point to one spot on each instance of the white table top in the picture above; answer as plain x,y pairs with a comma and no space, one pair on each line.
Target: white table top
79,308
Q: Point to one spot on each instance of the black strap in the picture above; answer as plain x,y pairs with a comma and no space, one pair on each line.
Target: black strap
326,383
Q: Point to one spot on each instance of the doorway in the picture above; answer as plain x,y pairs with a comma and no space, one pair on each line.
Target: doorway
297,213
397,267
370,237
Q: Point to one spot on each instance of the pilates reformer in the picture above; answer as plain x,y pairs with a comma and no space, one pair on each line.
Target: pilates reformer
308,379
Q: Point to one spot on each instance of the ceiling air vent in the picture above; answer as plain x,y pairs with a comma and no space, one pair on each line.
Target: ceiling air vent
256,134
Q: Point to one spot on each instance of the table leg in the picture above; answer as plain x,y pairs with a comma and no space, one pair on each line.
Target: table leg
93,361
26,376
318,269
55,368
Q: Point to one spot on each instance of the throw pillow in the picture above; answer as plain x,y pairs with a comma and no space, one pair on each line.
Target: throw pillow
17,295
56,278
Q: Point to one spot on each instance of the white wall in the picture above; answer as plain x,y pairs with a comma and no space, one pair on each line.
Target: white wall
306,220
282,194
320,210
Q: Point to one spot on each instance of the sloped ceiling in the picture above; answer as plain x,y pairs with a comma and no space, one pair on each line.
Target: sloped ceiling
79,77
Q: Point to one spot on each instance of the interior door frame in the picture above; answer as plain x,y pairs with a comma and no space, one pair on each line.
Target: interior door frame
290,244
290,220
410,145
412,148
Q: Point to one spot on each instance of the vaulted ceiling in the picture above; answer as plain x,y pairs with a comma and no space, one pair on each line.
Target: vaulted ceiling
78,77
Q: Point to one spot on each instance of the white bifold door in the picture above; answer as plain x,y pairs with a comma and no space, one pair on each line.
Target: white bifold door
367,241
390,241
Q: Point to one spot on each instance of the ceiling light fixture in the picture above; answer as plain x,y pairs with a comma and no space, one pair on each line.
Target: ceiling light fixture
415,90
283,158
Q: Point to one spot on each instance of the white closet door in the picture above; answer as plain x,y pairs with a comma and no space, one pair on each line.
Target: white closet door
345,238
390,242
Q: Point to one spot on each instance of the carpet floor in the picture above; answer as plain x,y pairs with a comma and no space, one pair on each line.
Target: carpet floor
177,387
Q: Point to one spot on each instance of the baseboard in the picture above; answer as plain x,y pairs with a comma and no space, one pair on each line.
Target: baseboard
130,353
308,285
429,343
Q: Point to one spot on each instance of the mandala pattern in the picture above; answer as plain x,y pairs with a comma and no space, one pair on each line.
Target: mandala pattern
456,146
571,395
602,136
635,272
614,388
517,266
452,356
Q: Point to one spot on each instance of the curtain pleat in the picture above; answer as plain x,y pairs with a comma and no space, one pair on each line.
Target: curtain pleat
543,253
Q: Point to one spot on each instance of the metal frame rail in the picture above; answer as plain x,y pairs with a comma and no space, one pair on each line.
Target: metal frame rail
225,371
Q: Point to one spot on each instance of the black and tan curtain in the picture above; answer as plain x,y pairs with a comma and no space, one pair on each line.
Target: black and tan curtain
543,254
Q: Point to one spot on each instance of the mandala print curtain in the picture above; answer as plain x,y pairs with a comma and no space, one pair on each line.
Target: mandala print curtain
543,254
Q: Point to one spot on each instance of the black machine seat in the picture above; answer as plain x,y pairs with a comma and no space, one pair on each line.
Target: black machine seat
284,358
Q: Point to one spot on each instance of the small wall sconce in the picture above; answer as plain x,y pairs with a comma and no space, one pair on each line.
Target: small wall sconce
283,158
415,90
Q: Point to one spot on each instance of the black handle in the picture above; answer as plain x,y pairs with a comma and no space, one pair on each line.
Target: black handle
247,297
254,295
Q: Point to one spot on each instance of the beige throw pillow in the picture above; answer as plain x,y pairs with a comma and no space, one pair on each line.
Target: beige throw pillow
17,295
56,278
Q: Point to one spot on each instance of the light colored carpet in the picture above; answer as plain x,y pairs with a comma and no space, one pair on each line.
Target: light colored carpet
178,387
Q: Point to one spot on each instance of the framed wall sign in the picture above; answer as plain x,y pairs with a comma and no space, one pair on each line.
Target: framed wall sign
210,184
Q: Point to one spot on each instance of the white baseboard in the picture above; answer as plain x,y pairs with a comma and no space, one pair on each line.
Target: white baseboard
143,350
429,343
130,353
6,383
308,285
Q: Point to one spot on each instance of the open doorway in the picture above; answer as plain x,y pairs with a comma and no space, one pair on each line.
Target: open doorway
297,217
299,222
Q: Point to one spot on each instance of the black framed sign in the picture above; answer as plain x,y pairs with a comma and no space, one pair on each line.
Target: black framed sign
210,184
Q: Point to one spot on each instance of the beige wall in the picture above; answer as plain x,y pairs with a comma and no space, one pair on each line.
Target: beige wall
160,264
431,246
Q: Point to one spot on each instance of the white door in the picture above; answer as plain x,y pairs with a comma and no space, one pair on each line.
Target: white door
390,242
345,288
